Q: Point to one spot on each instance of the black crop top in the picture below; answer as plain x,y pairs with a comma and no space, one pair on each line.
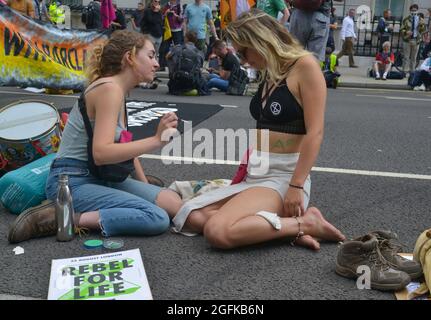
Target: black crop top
282,112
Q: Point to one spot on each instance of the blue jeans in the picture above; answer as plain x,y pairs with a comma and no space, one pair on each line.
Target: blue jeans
125,208
215,81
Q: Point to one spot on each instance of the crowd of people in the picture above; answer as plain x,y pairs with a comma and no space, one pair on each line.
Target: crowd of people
313,27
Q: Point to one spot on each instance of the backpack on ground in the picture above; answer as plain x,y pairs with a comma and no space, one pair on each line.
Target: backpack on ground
238,81
308,5
88,15
398,59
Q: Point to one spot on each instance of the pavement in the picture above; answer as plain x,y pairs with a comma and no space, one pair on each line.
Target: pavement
373,172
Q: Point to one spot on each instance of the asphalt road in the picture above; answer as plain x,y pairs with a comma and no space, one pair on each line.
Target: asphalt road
368,134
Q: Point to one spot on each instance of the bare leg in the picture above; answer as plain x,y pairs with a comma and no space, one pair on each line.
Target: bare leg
170,201
236,223
90,220
376,69
197,218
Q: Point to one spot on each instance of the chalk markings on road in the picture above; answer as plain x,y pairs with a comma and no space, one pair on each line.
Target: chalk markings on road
393,98
316,169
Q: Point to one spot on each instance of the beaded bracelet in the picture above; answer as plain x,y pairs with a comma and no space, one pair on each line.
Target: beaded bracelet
300,233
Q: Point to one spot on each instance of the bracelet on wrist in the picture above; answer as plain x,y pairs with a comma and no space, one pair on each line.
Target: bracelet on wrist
296,187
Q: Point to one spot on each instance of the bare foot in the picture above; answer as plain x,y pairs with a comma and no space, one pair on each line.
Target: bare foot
318,227
308,242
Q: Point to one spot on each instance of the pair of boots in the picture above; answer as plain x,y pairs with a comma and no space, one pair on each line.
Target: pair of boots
378,251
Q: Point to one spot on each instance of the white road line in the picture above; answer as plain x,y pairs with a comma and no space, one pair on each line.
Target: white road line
228,106
316,169
39,94
392,98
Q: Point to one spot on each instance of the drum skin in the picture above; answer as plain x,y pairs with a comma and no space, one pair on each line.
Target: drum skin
29,130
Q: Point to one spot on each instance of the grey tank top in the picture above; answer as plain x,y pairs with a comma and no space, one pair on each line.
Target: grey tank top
74,139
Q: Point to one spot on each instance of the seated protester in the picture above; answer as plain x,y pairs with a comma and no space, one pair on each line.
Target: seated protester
220,78
185,62
129,207
422,77
384,61
329,69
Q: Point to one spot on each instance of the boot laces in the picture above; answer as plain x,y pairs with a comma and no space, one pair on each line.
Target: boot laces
391,244
377,259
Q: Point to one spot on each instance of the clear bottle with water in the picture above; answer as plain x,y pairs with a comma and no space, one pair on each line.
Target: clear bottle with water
64,213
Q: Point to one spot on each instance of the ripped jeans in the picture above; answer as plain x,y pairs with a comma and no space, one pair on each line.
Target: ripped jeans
126,208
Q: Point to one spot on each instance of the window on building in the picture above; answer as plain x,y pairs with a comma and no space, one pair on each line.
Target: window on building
396,6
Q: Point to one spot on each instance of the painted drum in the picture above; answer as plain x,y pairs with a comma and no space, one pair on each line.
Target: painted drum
29,129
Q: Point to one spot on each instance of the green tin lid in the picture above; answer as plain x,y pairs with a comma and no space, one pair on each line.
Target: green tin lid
93,244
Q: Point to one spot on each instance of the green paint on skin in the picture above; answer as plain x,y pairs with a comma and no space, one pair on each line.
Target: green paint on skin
280,144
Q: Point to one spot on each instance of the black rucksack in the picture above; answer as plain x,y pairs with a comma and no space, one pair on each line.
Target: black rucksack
238,81
88,15
187,70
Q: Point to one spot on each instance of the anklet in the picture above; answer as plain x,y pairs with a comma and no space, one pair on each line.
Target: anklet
300,233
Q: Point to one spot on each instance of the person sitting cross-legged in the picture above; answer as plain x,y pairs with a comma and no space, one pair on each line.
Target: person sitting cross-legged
220,78
384,61
270,201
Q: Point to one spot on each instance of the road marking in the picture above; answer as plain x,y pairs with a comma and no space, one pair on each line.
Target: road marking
228,106
39,94
378,90
316,169
392,98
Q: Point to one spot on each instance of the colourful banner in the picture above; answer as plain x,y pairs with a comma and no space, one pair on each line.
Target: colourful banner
37,54
230,9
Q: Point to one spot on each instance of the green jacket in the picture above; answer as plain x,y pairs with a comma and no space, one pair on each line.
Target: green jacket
332,63
406,26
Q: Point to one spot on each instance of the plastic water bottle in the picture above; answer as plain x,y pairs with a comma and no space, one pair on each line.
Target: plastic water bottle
64,212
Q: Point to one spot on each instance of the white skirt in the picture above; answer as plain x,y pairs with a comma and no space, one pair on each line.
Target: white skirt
269,170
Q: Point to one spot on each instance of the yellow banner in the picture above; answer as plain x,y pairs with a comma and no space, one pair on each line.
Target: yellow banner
37,54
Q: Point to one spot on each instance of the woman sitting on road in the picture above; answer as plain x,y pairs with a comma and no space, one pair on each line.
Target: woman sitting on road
290,103
384,61
130,207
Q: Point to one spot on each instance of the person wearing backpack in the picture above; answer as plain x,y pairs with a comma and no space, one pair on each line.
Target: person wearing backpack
185,62
91,16
309,23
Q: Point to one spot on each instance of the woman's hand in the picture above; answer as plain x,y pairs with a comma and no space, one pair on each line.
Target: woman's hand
294,203
167,127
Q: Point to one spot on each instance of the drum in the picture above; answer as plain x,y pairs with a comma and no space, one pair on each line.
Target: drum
29,129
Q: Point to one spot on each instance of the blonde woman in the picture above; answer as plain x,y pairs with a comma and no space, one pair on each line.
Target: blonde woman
130,207
290,104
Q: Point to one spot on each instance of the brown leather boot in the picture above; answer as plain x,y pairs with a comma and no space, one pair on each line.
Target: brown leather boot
390,246
34,222
364,251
